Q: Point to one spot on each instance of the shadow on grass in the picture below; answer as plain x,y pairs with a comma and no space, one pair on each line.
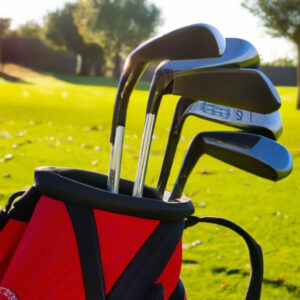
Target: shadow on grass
189,262
11,78
275,283
95,81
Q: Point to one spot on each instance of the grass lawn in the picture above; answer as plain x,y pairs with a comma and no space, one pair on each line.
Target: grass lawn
60,120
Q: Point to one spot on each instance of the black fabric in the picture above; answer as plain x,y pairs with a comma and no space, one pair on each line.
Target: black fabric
23,208
255,251
179,292
85,229
136,281
158,292
12,198
3,219
89,189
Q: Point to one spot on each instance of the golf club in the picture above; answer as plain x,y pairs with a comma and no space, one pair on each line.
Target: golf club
247,89
190,42
269,125
239,53
250,152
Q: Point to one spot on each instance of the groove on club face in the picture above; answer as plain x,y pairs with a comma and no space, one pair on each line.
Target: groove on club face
253,153
269,125
183,43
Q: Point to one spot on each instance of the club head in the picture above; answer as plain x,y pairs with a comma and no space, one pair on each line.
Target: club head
239,53
189,42
269,125
247,89
253,153
165,81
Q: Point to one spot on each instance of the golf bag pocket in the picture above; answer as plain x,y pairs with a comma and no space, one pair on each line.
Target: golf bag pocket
83,242
13,223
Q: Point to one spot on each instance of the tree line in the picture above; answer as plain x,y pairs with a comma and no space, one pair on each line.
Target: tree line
99,32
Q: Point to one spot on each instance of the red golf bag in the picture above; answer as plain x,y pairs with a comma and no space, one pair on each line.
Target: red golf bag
68,238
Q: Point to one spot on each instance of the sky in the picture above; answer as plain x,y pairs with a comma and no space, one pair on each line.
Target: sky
228,16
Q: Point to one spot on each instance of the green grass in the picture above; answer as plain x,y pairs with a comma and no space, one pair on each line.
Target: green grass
53,121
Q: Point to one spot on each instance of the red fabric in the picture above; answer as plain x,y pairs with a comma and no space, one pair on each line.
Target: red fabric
10,237
120,238
170,275
46,264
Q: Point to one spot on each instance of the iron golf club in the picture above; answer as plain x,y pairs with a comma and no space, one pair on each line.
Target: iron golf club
269,125
239,53
190,42
247,89
250,152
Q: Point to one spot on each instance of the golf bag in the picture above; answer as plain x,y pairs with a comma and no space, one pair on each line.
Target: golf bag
68,238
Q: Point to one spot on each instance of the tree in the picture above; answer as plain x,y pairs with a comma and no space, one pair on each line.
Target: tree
282,18
62,31
120,25
30,28
4,28
281,62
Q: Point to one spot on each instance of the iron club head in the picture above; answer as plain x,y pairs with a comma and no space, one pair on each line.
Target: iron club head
238,53
247,89
269,125
253,153
190,42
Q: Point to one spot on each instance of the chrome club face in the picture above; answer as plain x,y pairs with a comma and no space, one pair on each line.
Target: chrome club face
183,43
246,89
253,153
269,125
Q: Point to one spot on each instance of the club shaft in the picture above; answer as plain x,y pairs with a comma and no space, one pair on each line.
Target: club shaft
173,140
144,155
113,180
186,168
132,71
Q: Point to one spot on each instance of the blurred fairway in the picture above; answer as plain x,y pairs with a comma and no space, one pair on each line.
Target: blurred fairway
65,121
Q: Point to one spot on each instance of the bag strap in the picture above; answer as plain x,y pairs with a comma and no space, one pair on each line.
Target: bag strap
85,229
255,251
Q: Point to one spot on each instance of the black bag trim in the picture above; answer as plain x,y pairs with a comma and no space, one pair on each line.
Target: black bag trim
179,292
85,229
3,219
88,189
136,281
255,251
23,208
158,292
12,198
